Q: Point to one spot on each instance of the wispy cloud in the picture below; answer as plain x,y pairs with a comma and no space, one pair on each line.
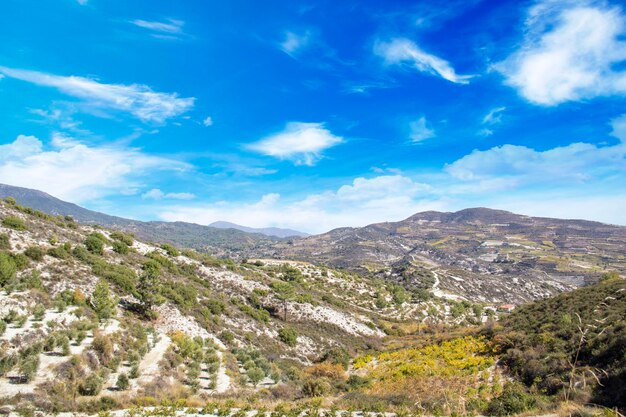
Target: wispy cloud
169,26
420,130
302,143
139,100
78,172
294,42
157,194
404,51
569,52
491,119
208,121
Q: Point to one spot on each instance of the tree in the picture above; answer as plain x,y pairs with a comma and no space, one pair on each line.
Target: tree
28,368
255,375
102,301
122,382
284,292
148,289
8,268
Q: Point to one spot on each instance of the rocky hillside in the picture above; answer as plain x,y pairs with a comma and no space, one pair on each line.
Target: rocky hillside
478,254
225,241
112,316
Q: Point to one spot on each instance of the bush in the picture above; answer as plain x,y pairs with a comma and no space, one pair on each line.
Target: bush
14,222
35,253
123,237
92,385
255,375
315,387
120,247
122,382
5,242
8,269
171,250
513,400
288,336
94,244
61,252
28,368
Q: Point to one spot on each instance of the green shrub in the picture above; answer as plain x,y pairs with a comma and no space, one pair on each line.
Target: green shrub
92,385
39,312
5,242
28,368
255,375
122,382
216,307
125,238
288,336
315,387
171,250
21,261
120,247
35,253
95,244
14,222
513,400
8,269
61,252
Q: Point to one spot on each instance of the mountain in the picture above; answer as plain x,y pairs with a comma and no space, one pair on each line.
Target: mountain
92,319
82,307
268,231
478,254
217,240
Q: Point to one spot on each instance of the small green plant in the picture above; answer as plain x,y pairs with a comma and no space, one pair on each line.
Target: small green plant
35,253
288,336
94,244
14,222
122,382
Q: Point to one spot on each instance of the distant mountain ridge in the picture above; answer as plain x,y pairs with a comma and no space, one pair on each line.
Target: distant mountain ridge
268,231
220,241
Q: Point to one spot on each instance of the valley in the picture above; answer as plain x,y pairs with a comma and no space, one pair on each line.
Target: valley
96,319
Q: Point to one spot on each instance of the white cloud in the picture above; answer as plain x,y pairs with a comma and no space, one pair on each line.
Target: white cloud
401,51
618,126
293,42
420,130
138,100
518,165
169,26
75,171
82,2
157,194
494,116
365,200
299,142
569,53
208,121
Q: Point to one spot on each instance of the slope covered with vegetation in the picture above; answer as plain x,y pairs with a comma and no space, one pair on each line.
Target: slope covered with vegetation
572,346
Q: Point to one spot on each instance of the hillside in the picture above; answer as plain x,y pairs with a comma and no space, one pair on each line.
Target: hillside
573,344
217,240
92,304
478,254
94,319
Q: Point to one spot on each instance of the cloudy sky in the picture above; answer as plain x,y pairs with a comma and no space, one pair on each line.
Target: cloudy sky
316,114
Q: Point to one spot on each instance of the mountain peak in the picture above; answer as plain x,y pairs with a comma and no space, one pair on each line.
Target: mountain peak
268,231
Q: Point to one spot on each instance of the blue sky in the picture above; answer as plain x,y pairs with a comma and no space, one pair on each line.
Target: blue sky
316,114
